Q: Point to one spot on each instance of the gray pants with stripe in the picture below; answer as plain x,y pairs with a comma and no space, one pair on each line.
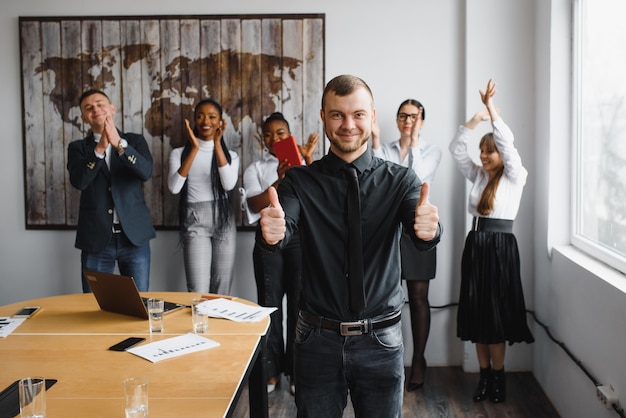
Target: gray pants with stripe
209,252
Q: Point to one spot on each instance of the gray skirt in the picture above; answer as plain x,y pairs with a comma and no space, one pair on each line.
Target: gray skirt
417,264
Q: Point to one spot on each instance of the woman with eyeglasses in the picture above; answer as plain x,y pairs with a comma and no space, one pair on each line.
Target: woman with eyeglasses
418,267
491,302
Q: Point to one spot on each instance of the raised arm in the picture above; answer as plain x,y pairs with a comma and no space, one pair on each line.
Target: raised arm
375,135
487,98
308,149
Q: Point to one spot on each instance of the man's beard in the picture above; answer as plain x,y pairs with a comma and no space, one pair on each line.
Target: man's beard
345,147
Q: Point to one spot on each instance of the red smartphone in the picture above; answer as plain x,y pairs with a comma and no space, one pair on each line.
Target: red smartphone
287,149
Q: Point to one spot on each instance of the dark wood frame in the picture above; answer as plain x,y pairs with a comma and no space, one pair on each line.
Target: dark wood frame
154,68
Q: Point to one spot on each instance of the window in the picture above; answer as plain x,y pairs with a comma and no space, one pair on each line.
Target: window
600,130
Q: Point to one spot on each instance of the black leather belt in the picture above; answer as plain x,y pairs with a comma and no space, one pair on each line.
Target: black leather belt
492,224
360,327
117,228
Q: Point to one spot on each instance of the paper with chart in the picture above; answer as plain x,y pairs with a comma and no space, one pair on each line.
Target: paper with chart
235,311
8,325
173,347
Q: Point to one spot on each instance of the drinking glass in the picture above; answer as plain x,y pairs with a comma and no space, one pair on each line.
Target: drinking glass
155,310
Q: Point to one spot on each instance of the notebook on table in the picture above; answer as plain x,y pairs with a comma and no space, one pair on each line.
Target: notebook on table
119,294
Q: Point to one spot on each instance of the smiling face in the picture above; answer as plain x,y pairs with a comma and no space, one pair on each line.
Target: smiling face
489,155
94,110
207,120
274,131
348,122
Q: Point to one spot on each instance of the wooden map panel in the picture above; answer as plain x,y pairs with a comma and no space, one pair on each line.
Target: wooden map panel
155,69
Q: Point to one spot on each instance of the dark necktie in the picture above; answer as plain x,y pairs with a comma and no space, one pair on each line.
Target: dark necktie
354,242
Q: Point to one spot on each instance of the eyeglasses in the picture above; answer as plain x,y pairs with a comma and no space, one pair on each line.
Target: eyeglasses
404,116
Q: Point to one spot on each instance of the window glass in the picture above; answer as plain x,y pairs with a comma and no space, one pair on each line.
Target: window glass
600,126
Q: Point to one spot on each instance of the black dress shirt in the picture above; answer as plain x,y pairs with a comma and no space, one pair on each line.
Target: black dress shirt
313,199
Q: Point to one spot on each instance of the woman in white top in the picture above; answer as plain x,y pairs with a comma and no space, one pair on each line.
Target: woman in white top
491,310
203,171
277,274
418,267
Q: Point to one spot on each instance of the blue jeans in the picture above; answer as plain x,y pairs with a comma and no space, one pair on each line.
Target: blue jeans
328,365
131,260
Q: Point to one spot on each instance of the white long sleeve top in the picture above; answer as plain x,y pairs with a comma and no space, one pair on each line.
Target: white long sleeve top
511,185
423,159
257,178
199,179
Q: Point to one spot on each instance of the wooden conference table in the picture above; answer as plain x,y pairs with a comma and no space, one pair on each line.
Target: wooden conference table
68,340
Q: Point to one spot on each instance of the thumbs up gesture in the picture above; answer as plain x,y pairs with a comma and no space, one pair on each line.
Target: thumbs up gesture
426,216
273,219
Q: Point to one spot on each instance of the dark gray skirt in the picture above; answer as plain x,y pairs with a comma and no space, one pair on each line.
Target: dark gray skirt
416,264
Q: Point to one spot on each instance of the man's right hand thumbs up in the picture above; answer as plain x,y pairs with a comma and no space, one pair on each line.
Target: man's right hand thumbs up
426,216
273,219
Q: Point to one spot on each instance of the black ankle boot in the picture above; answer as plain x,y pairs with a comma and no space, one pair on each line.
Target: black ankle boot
498,387
484,385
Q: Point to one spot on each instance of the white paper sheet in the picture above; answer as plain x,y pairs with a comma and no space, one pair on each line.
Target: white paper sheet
173,347
235,311
8,325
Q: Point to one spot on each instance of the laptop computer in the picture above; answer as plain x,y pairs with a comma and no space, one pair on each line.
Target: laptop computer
119,294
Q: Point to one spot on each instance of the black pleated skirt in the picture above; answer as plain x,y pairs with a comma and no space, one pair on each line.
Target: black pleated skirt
491,304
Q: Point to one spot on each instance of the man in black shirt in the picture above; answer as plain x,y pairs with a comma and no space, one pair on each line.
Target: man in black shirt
340,348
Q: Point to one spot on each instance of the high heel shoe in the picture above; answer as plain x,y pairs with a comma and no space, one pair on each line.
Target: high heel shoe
413,386
272,384
292,385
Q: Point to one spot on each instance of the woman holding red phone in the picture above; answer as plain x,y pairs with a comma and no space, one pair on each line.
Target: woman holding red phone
276,274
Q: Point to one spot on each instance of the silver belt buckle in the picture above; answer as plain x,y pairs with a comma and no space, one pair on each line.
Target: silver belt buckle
348,329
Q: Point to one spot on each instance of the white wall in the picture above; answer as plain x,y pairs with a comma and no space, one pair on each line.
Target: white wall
583,302
440,53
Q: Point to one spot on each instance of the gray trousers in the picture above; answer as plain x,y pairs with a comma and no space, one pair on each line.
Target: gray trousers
209,252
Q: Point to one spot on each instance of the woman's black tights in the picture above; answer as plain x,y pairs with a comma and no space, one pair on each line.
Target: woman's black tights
420,326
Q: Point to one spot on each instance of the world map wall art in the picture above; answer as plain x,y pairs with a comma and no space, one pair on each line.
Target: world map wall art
155,69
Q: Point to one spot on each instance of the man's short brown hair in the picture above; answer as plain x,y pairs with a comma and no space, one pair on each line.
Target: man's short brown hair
90,92
343,85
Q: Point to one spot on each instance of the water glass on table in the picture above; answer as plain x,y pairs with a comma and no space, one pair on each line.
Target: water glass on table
199,319
136,394
155,311
32,394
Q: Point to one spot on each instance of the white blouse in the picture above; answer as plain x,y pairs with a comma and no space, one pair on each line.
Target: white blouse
511,185
424,158
257,178
199,179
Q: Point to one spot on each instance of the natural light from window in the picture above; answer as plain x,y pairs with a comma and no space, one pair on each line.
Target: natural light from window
600,124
